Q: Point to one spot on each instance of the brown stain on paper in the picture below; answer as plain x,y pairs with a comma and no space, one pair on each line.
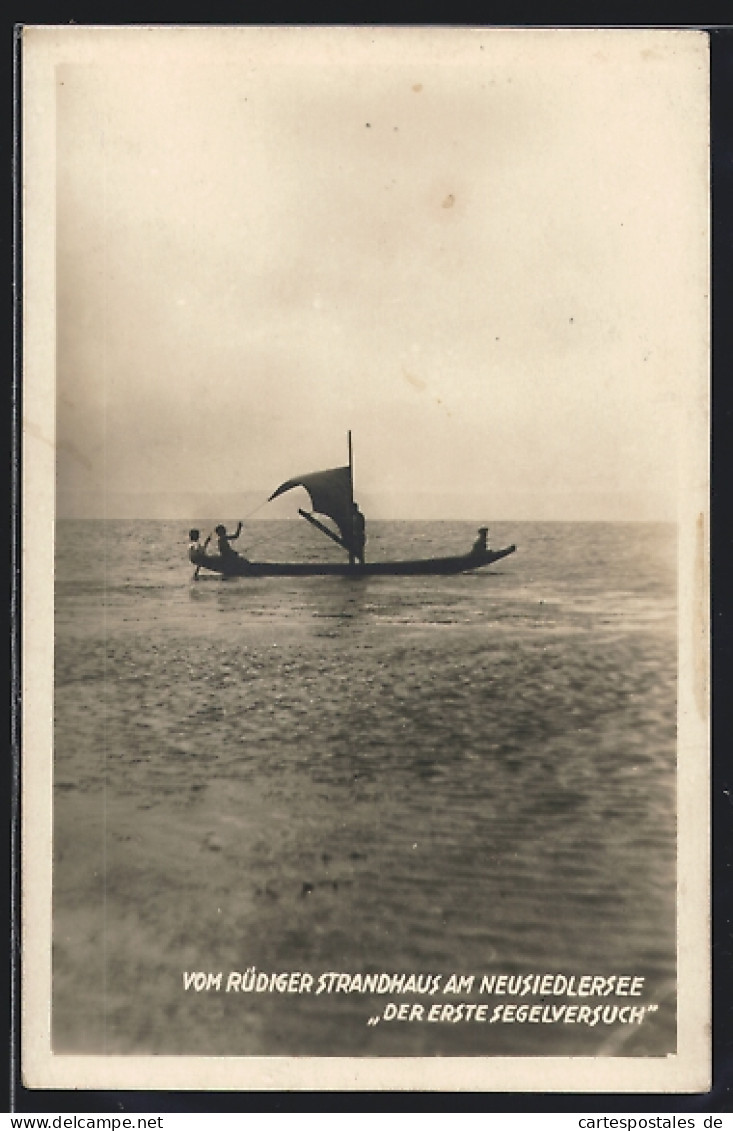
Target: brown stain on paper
416,382
422,386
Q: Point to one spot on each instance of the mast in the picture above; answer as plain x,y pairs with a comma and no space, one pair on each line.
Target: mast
351,499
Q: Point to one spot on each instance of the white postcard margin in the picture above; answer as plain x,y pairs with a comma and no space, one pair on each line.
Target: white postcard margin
687,1071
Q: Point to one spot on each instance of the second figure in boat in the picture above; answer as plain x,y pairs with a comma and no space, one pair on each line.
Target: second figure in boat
224,540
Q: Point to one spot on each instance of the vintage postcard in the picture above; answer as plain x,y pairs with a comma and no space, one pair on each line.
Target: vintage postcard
365,557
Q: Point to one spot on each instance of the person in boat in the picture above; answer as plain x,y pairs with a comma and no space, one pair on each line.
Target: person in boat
358,533
224,540
194,544
481,545
195,548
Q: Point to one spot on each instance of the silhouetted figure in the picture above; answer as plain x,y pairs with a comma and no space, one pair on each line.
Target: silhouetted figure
194,544
358,533
224,540
481,545
195,548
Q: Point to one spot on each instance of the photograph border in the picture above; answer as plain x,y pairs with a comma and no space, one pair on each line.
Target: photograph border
35,732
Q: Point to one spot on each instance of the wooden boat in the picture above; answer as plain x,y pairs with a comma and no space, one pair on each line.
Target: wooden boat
235,566
332,495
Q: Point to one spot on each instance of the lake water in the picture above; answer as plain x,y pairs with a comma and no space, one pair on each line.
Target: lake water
469,776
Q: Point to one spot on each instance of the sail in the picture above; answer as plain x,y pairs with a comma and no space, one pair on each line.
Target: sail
330,492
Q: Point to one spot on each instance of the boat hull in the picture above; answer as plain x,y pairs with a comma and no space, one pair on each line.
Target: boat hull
235,566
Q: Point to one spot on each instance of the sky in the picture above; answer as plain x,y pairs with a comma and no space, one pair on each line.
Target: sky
484,253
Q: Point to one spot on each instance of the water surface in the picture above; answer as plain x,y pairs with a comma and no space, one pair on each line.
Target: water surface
468,775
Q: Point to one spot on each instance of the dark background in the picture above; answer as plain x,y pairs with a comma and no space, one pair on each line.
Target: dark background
15,1098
